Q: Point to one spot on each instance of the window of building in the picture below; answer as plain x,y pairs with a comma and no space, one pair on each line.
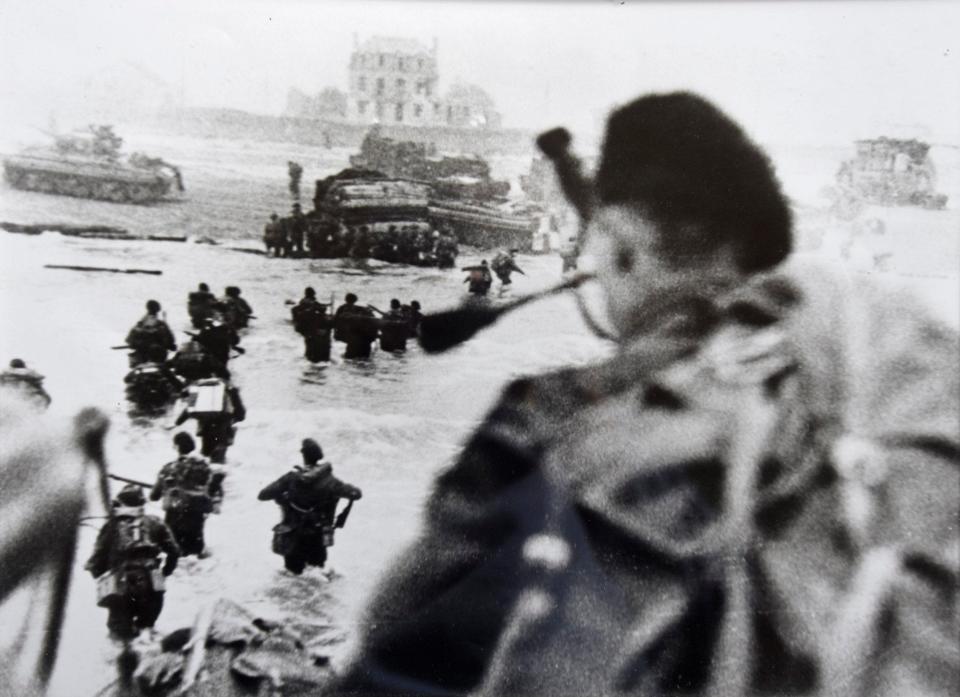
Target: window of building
420,64
382,60
427,88
399,111
436,108
380,85
362,84
400,63
449,114
418,110
362,108
379,110
401,83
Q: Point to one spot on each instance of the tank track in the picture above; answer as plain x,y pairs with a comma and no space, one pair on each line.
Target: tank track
80,186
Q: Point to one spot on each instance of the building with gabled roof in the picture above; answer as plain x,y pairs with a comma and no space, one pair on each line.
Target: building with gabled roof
393,80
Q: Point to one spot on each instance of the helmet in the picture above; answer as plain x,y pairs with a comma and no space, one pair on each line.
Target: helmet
311,450
184,442
153,307
204,287
130,495
309,292
351,298
17,363
395,304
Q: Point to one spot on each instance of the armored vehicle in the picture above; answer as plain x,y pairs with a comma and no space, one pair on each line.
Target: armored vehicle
459,178
365,214
891,172
90,165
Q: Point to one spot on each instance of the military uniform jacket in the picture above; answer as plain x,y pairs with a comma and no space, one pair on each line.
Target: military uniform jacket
309,500
186,472
106,557
761,502
150,332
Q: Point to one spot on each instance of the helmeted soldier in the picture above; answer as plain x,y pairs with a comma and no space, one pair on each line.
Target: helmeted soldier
218,338
193,362
190,490
757,494
394,328
201,304
28,383
355,326
504,265
235,309
296,228
150,338
273,235
308,496
478,278
312,321
126,564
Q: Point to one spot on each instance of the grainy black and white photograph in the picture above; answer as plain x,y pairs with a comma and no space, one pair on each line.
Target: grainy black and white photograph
479,348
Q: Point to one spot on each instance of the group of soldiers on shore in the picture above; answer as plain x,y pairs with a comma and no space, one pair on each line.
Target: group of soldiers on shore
325,237
353,324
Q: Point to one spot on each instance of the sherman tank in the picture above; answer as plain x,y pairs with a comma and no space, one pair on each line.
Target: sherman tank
364,214
891,172
460,177
91,165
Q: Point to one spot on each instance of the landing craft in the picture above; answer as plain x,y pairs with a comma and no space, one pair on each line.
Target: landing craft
90,165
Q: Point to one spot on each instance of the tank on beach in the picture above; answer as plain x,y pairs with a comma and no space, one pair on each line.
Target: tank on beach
90,165
463,196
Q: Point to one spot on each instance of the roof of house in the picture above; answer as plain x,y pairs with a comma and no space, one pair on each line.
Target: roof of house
392,44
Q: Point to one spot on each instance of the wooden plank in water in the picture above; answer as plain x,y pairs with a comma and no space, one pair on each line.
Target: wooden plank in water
153,272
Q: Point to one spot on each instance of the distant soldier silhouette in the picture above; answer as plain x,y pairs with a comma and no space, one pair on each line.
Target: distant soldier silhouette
296,173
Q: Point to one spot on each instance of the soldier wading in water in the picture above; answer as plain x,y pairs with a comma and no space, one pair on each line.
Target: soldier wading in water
756,495
126,564
308,497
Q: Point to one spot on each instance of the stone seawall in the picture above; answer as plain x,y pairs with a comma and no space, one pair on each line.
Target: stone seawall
229,123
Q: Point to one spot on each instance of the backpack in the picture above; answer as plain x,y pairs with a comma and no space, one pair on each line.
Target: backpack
131,539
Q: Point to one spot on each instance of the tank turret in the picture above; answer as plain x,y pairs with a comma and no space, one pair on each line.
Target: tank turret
91,165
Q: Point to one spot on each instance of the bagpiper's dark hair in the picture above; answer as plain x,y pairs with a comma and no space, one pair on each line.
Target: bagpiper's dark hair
689,166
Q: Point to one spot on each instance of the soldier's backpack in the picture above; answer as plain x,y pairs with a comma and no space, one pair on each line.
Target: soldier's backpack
131,543
188,492
146,334
131,540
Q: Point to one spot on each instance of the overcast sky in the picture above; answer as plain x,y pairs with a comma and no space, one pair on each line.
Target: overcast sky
792,72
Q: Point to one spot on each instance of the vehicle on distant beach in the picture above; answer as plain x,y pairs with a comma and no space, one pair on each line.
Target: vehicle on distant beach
90,165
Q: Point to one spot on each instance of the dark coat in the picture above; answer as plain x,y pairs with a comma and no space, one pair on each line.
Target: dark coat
106,558
309,496
764,503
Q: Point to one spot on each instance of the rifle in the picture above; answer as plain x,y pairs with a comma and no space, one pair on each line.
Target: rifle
129,481
344,514
120,348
